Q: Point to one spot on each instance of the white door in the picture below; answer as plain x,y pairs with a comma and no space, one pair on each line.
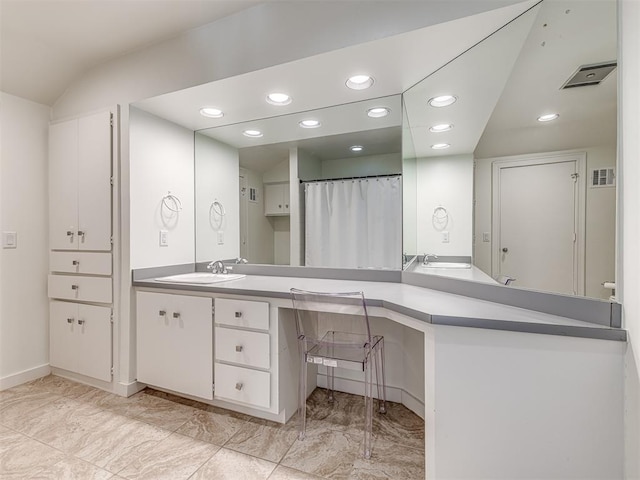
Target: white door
538,227
94,182
63,352
63,186
274,199
94,341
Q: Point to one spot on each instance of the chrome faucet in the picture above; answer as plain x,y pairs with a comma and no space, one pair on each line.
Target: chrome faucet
428,256
217,267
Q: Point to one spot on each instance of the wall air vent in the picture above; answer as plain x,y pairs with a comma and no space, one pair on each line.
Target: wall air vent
603,177
590,74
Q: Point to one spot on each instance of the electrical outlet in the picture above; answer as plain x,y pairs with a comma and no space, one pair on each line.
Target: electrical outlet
9,240
220,238
445,237
164,238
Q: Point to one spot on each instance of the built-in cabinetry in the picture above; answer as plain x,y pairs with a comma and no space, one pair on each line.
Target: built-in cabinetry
80,238
242,359
276,198
175,342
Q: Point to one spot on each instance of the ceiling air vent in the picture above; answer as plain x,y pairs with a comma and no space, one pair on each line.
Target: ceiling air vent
603,177
590,74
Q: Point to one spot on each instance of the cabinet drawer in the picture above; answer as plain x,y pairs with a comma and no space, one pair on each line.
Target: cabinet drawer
75,287
243,347
242,313
80,262
243,385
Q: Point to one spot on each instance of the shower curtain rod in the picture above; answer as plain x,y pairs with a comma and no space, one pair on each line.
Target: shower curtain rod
351,178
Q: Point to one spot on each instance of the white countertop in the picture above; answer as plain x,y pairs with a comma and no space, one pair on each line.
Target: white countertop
432,306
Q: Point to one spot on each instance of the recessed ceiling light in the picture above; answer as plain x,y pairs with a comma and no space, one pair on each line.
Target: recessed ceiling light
211,112
443,127
442,101
252,133
356,148
377,112
278,99
548,117
359,82
440,146
309,123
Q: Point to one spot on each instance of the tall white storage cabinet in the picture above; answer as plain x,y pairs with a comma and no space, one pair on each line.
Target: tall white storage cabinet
81,165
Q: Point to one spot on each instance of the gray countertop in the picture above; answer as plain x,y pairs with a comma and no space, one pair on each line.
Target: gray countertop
424,304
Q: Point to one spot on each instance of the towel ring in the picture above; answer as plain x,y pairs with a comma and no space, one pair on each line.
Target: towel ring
440,218
171,203
217,208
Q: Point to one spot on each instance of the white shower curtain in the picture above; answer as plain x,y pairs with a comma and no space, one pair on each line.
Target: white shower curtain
355,223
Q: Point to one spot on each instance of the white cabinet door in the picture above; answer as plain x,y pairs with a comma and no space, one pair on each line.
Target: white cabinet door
80,183
276,199
94,341
63,185
94,182
175,342
80,339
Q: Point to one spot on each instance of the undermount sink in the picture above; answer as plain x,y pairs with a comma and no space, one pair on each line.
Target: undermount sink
201,277
446,265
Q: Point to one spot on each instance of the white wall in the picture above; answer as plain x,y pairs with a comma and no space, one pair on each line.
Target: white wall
526,406
600,214
362,166
445,181
628,215
161,156
259,230
24,306
217,179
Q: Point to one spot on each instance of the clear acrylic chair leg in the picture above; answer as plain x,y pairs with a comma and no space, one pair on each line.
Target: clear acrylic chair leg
380,381
368,407
331,378
302,393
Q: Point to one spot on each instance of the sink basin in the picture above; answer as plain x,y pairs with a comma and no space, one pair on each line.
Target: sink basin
201,277
445,265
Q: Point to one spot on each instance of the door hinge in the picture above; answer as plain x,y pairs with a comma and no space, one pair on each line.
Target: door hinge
111,240
111,369
111,180
213,311
575,237
111,318
111,119
213,387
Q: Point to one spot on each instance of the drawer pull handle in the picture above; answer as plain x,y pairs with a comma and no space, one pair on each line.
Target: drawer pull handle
238,314
239,348
81,233
75,287
69,320
69,233
162,313
176,314
80,322
239,386
75,262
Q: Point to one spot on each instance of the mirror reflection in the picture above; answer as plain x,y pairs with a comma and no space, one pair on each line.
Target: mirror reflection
327,193
516,178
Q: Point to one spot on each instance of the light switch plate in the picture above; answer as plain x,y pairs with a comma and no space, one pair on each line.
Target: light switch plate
220,238
9,240
486,237
164,238
445,237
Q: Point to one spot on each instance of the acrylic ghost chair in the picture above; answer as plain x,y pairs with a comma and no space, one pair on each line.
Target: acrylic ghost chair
334,349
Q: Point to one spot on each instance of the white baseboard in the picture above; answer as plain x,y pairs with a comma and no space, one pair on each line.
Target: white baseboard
24,376
393,394
128,389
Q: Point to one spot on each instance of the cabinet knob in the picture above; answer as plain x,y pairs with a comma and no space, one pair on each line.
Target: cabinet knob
69,320
176,314
75,262
239,386
81,233
75,287
69,233
162,313
239,348
505,249
279,206
238,314
80,322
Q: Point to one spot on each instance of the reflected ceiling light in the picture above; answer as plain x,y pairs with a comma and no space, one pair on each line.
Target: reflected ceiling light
356,148
278,99
309,123
252,133
548,117
442,101
378,112
443,127
440,146
359,82
211,112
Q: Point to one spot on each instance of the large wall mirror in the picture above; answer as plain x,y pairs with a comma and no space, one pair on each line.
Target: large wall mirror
518,173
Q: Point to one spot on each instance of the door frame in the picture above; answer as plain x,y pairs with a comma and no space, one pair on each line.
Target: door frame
580,190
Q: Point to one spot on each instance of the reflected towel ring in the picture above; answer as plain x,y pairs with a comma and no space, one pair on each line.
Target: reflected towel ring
217,208
171,202
440,218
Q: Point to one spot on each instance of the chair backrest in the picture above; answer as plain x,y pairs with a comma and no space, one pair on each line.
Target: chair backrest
310,306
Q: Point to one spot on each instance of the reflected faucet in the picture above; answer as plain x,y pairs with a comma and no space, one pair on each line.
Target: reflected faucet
240,260
428,256
217,267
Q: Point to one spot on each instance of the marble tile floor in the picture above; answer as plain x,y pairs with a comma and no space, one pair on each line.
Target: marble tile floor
54,428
